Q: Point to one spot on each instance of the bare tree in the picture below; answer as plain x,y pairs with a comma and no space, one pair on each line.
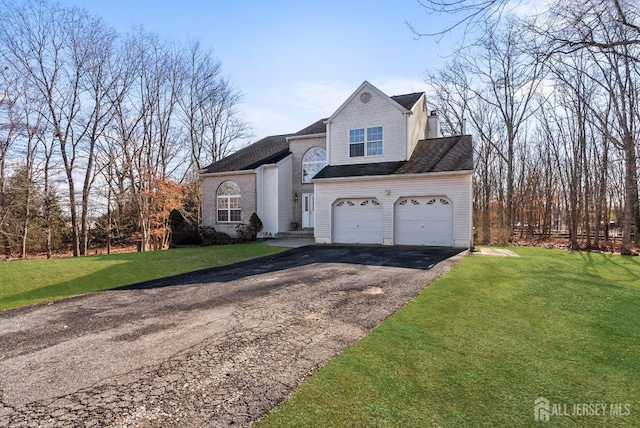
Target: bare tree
11,124
509,77
132,115
209,108
59,51
471,16
607,31
144,124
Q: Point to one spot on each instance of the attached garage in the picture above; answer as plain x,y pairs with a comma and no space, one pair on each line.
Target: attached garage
357,221
425,200
423,221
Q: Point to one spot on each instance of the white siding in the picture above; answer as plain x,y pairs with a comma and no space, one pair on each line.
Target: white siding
274,187
269,202
379,111
388,191
285,193
417,124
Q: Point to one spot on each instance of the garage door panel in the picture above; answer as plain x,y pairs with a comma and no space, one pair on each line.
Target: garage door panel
409,215
424,221
438,227
357,221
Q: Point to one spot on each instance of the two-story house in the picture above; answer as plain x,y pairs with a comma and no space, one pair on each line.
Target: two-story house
375,172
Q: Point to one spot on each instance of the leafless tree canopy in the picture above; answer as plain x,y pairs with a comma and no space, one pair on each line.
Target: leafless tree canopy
117,121
552,101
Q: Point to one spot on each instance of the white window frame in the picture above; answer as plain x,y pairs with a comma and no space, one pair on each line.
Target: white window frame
232,203
372,141
367,141
354,143
305,163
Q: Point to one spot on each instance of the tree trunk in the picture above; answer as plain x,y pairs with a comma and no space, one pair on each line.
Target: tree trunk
486,206
587,195
47,204
602,195
25,225
630,192
636,204
6,245
109,216
509,201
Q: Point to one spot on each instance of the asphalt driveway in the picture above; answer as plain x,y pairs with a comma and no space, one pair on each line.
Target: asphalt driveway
213,348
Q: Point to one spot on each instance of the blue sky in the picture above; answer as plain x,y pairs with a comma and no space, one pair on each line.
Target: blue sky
295,61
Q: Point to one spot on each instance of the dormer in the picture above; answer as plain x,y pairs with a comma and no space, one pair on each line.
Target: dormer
371,127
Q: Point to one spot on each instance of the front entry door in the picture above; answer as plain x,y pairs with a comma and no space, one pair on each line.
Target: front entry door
308,214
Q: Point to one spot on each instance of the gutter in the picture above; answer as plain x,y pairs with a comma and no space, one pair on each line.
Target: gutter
222,174
306,136
399,176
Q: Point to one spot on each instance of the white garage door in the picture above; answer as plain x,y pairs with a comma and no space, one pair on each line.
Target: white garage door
357,221
424,221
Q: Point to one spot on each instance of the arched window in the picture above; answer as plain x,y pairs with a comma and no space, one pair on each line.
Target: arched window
312,162
229,202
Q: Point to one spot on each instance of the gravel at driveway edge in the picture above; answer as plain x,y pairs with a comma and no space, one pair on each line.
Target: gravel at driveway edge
210,352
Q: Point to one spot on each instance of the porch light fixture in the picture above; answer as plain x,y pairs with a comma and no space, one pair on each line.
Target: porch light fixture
295,197
387,192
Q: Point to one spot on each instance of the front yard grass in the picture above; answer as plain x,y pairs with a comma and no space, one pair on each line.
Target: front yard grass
32,281
477,347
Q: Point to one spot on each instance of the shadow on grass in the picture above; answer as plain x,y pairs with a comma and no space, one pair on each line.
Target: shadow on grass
110,276
422,258
599,262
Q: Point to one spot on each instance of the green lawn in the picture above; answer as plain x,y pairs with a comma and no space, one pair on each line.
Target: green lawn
32,281
479,345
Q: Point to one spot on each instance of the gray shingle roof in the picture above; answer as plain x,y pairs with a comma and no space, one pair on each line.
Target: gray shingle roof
432,155
408,100
359,170
318,127
268,150
440,154
274,148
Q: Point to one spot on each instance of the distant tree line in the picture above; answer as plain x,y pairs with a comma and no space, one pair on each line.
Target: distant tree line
553,103
102,134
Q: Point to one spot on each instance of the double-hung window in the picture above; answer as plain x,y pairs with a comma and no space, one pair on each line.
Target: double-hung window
369,138
229,202
356,142
374,141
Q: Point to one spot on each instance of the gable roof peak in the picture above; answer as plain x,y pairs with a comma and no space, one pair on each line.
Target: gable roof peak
372,88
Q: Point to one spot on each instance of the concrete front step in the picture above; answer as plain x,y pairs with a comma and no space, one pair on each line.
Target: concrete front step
304,233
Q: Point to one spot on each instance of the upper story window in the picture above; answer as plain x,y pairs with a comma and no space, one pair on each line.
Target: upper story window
312,162
372,139
229,202
356,142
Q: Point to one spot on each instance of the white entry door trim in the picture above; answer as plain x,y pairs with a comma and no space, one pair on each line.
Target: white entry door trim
308,210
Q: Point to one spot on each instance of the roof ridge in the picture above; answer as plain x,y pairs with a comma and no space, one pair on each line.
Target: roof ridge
404,95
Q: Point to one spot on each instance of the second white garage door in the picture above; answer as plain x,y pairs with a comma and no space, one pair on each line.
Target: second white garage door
357,221
424,221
